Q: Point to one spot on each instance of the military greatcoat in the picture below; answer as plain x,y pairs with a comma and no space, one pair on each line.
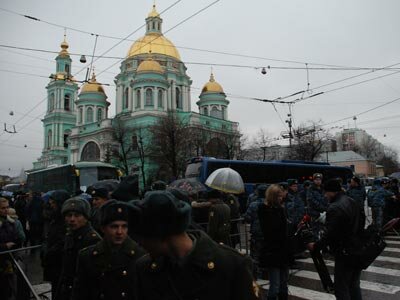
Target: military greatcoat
209,272
107,272
74,242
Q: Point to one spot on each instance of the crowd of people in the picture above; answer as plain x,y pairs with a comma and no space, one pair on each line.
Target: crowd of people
171,244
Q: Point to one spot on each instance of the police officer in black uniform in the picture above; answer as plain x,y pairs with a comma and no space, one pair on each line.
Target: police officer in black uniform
183,265
80,234
106,270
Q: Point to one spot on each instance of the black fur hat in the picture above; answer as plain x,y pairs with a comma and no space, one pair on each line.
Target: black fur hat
159,214
113,210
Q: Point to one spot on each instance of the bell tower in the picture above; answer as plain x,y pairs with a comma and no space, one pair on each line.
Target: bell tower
61,113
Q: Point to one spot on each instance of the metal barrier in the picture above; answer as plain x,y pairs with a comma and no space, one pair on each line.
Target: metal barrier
20,292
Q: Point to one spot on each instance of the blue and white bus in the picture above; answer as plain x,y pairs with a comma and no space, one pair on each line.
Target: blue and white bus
256,172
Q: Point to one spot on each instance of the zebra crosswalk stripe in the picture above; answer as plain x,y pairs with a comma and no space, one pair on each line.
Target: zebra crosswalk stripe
301,292
372,269
365,285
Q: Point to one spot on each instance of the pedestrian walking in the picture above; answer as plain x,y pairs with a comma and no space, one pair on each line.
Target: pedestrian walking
275,256
106,270
343,222
80,234
183,265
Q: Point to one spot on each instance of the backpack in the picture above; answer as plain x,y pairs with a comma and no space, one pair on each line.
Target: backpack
364,246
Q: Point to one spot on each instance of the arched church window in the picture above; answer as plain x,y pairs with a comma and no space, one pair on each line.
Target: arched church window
49,139
223,112
205,111
89,115
126,98
178,98
160,98
158,26
149,97
99,114
66,138
67,69
153,25
51,102
90,152
138,96
80,117
215,112
67,102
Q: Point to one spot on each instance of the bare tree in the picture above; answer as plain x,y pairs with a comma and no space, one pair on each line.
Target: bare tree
169,144
389,160
128,146
309,140
260,143
369,148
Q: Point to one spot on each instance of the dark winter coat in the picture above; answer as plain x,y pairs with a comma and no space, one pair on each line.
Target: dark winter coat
74,242
358,194
34,210
294,208
234,207
106,272
219,223
276,250
53,245
8,233
251,216
317,203
341,216
209,272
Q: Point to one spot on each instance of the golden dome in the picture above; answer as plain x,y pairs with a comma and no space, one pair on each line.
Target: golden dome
64,48
92,86
154,43
149,65
212,86
153,13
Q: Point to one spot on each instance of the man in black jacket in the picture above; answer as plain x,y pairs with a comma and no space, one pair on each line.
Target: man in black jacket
343,221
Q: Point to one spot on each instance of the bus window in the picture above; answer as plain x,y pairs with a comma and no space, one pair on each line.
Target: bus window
87,176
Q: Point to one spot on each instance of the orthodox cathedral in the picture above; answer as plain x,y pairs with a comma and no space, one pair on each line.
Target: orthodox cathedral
152,81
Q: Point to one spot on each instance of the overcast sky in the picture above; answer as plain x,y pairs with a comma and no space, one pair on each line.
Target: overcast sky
357,33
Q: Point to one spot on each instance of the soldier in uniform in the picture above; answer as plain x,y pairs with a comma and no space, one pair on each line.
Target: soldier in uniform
106,270
183,265
99,197
316,203
80,234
